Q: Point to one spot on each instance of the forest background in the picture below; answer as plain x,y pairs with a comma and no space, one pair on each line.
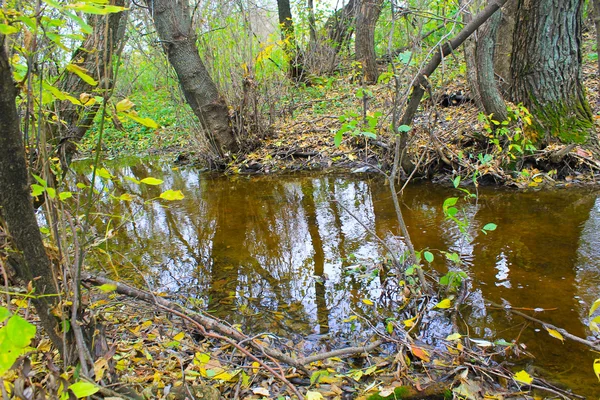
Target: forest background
455,91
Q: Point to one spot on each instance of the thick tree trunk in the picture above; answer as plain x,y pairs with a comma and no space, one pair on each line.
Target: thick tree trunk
17,208
296,61
368,12
504,45
491,99
546,67
173,23
95,55
470,50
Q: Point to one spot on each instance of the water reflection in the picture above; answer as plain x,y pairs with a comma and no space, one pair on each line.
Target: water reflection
277,254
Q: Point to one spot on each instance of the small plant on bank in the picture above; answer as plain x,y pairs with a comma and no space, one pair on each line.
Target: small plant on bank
513,137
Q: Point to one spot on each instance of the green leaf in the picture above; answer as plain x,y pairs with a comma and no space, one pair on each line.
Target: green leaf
148,122
65,195
456,181
4,314
523,377
125,197
594,307
490,227
8,29
51,192
317,375
37,190
449,202
403,128
151,181
39,180
83,389
172,195
428,256
103,173
95,9
337,140
82,73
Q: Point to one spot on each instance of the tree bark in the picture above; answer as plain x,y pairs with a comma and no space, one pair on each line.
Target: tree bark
16,206
504,45
597,26
491,99
173,23
340,25
470,50
368,12
296,61
95,55
546,70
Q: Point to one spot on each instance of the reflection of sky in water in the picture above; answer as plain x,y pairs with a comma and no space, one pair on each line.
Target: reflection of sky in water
503,270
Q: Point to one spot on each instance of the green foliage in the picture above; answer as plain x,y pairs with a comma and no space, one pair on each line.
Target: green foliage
15,335
453,279
355,126
511,138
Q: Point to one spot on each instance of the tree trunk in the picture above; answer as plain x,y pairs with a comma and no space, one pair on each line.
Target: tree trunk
368,12
173,23
546,67
504,45
296,62
312,23
95,55
340,25
17,208
470,50
597,25
491,99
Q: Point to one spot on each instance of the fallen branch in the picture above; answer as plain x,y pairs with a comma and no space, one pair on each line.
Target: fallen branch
211,324
594,346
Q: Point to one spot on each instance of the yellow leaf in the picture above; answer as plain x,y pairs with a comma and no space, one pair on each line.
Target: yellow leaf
172,195
594,306
367,302
454,336
523,377
597,367
107,287
82,73
151,181
446,303
124,105
409,323
312,395
179,336
555,334
255,366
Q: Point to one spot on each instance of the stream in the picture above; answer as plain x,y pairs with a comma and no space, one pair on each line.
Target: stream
287,254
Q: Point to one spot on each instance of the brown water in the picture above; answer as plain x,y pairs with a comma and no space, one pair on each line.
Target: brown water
276,254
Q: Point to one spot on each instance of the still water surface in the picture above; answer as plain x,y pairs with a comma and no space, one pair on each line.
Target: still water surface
277,254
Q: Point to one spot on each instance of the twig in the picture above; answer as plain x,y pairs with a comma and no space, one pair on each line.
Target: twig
563,332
